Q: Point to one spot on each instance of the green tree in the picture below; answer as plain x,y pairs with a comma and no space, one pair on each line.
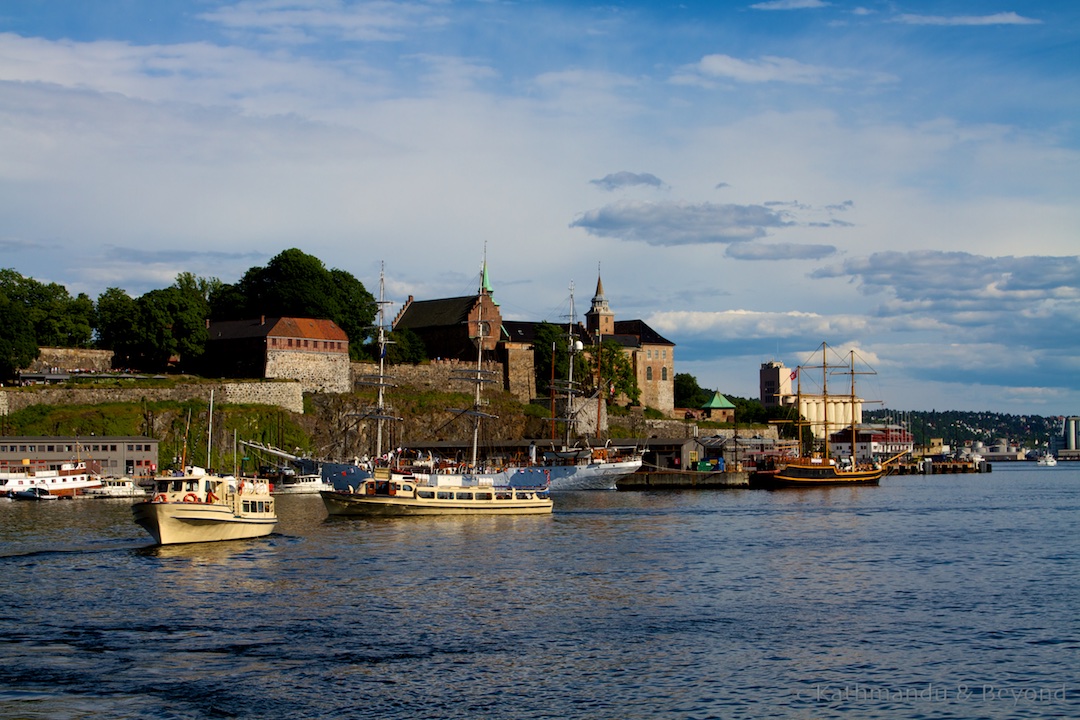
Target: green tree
551,359
688,394
295,284
59,320
405,347
616,372
116,320
171,323
18,348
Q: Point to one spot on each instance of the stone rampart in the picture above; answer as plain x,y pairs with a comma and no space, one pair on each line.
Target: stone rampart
436,375
70,359
287,395
316,371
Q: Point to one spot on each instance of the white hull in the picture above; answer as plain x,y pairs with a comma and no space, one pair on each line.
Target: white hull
72,479
206,508
110,489
302,485
593,476
409,495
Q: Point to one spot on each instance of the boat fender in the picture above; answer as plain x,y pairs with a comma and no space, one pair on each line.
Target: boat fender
160,498
191,498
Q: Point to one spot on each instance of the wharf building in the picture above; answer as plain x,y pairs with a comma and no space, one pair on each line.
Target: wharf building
111,456
1066,446
819,412
311,351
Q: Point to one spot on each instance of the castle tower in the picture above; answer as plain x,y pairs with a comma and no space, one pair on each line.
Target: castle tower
599,320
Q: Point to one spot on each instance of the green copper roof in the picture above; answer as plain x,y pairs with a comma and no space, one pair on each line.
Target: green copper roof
718,402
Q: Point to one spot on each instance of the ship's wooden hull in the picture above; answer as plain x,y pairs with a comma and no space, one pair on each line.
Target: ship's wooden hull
799,474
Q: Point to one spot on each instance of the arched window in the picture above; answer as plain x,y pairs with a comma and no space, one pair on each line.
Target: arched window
663,373
648,373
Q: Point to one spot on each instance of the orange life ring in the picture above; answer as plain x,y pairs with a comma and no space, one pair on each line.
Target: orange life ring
160,498
191,498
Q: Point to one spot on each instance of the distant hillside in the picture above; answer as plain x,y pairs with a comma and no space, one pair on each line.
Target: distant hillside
956,426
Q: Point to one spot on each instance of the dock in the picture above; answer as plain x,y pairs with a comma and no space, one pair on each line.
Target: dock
657,479
946,467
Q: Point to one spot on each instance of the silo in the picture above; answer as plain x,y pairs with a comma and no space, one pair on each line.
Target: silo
1070,433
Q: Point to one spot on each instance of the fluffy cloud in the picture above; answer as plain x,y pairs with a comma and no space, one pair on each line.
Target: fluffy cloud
680,223
622,179
1004,18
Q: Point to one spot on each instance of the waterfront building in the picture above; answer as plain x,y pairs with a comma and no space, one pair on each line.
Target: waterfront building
448,327
134,456
774,383
777,388
312,351
873,442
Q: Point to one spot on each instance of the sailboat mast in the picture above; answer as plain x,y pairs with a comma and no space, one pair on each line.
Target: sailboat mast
382,360
570,373
851,405
479,362
209,430
825,394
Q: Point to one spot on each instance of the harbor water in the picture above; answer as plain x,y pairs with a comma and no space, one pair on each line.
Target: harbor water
927,597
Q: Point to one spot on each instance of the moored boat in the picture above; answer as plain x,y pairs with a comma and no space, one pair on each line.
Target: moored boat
393,494
588,468
197,507
817,469
1047,460
36,493
116,488
68,480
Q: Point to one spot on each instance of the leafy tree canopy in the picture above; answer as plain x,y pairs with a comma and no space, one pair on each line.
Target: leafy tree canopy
17,345
616,373
295,284
58,319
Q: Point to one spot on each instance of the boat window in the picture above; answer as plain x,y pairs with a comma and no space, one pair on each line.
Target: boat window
504,496
524,496
426,494
483,496
445,495
407,488
464,496
247,506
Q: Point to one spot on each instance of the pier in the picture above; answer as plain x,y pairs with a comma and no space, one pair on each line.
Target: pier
942,467
649,478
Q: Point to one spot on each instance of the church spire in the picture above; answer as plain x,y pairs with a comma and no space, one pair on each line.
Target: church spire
599,320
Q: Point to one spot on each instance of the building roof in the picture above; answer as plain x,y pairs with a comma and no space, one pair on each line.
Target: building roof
718,402
644,334
436,313
524,331
310,328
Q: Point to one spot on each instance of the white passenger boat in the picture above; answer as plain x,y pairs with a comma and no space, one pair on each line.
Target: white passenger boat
198,507
588,468
116,488
1047,460
300,484
394,494
68,480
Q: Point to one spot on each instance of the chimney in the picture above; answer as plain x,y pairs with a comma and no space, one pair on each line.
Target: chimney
262,319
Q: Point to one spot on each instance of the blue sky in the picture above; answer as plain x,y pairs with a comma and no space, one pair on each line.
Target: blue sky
749,178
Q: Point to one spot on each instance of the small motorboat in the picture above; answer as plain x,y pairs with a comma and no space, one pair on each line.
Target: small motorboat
38,492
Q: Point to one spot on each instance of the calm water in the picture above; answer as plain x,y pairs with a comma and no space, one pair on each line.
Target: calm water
928,597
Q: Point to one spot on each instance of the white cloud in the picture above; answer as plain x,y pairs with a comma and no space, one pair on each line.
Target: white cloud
790,5
1004,18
